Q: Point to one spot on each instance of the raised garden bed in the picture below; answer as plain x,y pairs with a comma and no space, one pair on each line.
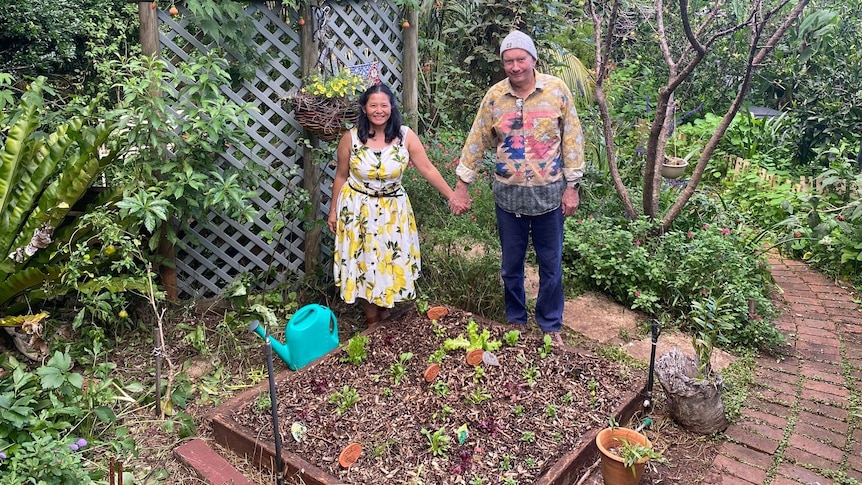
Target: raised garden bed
531,419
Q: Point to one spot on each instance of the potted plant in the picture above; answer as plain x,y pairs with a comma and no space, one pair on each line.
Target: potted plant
693,389
326,105
674,167
624,454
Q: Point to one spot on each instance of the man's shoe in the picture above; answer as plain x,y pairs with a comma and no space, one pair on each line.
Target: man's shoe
556,339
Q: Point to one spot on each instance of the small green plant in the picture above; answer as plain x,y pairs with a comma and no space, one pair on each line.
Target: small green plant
476,481
531,374
386,392
355,349
631,452
567,398
440,388
545,349
422,305
444,413
478,373
437,356
399,369
344,399
551,410
506,463
710,317
380,449
593,386
263,402
518,410
478,396
473,340
509,481
528,436
439,330
511,337
438,442
530,462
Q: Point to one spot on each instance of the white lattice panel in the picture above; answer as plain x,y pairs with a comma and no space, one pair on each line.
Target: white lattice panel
218,250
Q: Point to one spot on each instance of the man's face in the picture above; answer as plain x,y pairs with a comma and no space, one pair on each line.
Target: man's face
518,65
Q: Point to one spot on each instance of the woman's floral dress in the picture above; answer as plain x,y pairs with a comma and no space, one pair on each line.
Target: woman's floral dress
376,255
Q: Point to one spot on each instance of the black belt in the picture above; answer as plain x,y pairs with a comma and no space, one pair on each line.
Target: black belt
393,193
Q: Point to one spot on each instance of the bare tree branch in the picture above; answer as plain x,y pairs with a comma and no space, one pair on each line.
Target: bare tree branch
602,102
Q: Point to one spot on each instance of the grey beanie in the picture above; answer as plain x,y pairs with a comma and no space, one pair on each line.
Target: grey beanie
518,40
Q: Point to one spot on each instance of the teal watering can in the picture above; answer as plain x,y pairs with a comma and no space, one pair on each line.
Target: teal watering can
310,333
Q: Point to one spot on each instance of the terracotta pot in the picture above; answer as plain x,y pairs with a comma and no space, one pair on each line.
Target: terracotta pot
673,167
614,471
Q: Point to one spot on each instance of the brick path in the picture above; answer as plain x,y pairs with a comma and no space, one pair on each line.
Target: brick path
802,421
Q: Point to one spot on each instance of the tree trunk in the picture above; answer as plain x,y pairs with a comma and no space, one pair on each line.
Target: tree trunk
693,403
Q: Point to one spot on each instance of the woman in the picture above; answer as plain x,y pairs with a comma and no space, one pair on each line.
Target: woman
376,257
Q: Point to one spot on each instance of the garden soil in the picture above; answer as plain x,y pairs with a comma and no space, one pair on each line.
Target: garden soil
591,320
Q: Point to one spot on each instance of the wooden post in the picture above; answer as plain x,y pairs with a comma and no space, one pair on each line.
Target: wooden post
311,172
149,37
410,71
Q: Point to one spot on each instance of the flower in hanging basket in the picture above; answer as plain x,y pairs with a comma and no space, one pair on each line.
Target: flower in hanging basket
326,106
343,85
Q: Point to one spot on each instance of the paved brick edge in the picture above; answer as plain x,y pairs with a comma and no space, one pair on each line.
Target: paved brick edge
798,424
209,465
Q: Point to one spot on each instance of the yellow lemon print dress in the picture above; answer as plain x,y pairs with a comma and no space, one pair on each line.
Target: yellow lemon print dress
376,254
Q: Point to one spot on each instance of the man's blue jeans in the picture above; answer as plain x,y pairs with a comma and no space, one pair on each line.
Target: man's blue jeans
547,236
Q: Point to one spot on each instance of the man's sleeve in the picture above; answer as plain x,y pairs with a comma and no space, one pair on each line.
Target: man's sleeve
479,140
572,141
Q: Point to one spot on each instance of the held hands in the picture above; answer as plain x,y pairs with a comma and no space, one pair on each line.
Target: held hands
571,201
459,203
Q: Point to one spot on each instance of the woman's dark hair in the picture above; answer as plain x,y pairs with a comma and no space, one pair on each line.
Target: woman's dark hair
393,125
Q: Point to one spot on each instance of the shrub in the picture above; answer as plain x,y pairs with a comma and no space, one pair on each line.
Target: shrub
665,274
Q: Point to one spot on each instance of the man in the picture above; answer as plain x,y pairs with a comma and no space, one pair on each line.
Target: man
530,119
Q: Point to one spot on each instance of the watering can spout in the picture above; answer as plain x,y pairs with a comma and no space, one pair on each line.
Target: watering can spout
280,349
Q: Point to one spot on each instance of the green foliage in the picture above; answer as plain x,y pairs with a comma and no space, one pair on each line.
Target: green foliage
474,340
478,395
511,337
344,399
545,349
41,411
355,349
814,77
438,441
824,229
41,178
44,459
632,452
186,130
68,39
665,274
711,317
399,369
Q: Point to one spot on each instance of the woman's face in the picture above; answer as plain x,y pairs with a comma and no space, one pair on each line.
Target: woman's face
378,109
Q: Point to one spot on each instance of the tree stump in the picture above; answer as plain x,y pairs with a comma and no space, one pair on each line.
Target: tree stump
694,403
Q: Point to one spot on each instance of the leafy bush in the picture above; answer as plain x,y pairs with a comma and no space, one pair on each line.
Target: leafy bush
665,274
46,417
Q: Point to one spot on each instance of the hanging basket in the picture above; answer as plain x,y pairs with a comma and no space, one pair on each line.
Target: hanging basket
325,118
